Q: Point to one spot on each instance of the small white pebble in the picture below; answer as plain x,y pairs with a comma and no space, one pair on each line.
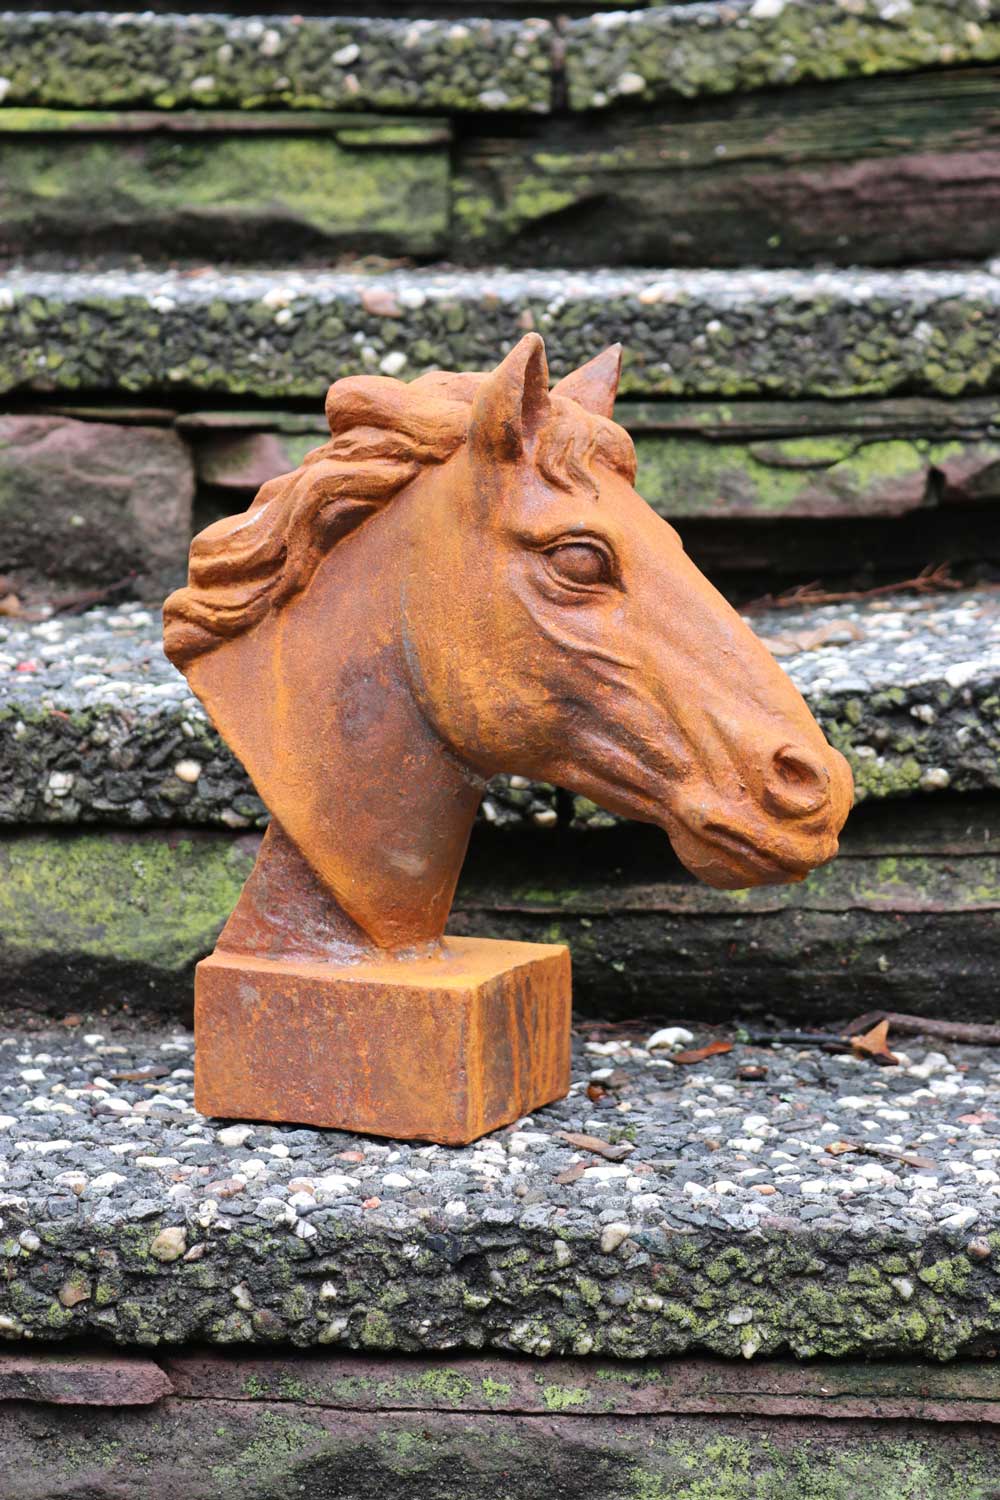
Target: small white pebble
672,1037
612,1236
169,1244
960,1220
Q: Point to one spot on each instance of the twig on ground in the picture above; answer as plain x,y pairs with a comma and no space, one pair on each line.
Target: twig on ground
975,1032
74,604
829,1041
927,581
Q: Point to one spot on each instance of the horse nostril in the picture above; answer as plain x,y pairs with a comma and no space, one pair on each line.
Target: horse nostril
798,782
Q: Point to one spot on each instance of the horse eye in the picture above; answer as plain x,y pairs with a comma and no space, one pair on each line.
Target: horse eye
580,562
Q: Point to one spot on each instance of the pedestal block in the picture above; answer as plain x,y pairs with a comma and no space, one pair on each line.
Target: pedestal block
441,1049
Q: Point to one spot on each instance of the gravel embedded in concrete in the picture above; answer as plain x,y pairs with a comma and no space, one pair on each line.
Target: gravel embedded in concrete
718,1218
709,334
689,50
103,729
109,59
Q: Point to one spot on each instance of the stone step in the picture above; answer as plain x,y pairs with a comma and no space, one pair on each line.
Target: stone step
907,918
700,1212
100,734
104,728
607,1429
102,60
673,50
691,334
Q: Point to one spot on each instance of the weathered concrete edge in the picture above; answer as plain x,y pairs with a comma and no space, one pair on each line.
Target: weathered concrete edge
697,334
63,768
538,1291
717,46
740,45
166,61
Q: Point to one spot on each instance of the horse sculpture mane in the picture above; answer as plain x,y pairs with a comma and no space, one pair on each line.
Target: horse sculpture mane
383,433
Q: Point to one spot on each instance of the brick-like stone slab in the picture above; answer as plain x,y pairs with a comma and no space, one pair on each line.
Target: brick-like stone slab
266,188
730,45
743,461
59,1379
686,333
107,59
859,172
266,1450
964,1391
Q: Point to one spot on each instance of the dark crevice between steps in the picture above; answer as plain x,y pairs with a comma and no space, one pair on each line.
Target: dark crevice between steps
649,944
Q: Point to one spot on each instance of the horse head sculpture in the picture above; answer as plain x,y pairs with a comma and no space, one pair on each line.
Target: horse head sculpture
463,580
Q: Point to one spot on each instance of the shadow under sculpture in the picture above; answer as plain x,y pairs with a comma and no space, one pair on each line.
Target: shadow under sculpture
462,581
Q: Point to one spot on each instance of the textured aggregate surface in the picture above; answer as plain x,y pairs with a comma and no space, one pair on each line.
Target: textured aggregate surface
315,62
685,333
750,44
723,1223
98,726
717,46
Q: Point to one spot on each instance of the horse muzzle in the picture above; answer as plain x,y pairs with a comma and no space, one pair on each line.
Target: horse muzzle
789,829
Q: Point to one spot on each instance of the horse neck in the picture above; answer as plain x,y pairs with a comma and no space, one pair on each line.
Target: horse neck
372,812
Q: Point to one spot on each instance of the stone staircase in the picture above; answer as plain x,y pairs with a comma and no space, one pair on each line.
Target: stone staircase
787,211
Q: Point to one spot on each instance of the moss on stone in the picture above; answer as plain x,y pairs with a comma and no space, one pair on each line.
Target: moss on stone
159,903
297,192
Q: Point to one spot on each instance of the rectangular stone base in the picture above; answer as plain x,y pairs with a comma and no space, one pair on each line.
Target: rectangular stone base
440,1049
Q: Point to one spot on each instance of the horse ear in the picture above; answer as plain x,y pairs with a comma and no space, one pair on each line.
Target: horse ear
512,404
595,384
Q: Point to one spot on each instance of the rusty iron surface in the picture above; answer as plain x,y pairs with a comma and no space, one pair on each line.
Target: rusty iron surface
442,1048
462,581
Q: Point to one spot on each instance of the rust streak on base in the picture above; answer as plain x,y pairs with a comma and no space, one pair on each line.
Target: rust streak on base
440,1048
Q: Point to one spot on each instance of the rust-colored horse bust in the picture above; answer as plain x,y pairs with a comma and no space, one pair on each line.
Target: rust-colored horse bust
463,580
